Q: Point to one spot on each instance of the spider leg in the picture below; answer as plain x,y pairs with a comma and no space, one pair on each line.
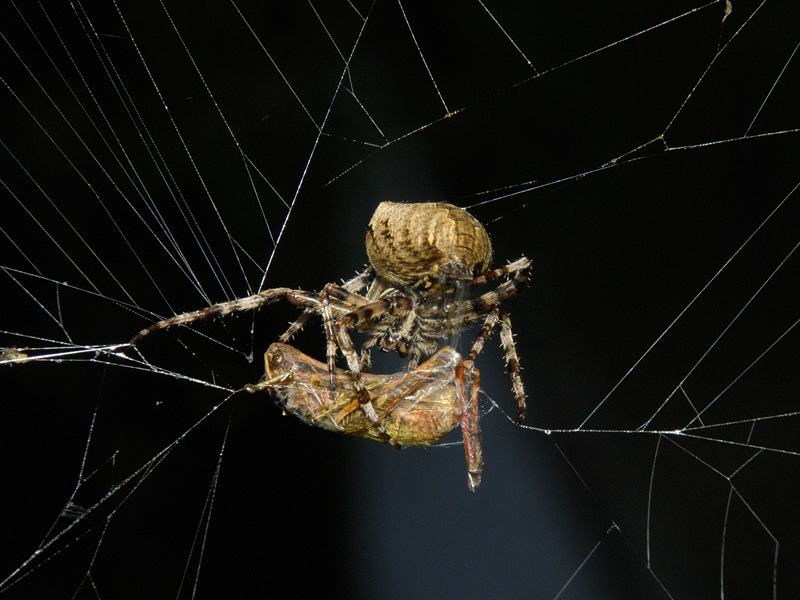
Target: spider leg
330,335
296,326
480,339
470,424
398,304
509,288
521,264
512,364
354,366
353,285
310,301
462,313
359,281
347,299
338,337
253,302
509,346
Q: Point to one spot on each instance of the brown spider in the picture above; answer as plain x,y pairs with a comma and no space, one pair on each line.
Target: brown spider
423,257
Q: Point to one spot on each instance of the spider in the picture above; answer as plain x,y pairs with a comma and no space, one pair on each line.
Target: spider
423,258
416,407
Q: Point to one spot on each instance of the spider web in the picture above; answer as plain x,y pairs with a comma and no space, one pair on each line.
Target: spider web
158,158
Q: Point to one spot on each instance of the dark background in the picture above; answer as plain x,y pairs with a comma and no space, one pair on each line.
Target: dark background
617,255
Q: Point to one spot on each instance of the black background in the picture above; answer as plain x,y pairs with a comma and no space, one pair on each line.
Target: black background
618,254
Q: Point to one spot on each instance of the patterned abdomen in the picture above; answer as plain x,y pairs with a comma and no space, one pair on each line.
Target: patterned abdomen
421,242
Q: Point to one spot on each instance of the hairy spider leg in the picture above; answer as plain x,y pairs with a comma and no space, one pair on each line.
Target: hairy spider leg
521,264
309,300
512,364
349,299
480,339
397,304
466,311
354,285
330,335
354,367
224,308
296,326
337,336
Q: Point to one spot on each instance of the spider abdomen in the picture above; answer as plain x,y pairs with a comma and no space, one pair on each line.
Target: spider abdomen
423,242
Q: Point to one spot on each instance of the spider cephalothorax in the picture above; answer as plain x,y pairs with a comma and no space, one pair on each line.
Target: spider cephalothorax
424,259
422,255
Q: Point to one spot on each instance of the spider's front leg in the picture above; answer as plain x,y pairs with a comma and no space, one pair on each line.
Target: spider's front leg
330,333
347,298
354,368
366,315
354,285
249,303
336,332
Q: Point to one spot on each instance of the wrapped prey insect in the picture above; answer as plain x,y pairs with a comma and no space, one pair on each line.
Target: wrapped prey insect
416,407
